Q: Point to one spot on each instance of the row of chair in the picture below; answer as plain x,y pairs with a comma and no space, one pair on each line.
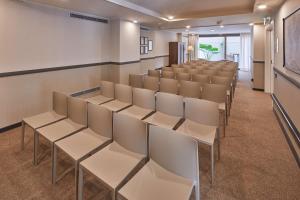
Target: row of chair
114,148
220,90
118,96
77,120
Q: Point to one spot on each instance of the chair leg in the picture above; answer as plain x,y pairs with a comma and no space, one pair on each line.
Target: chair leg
22,135
80,184
76,178
219,145
54,160
35,148
212,164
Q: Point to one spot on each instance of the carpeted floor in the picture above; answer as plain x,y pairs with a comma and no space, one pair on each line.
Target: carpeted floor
256,162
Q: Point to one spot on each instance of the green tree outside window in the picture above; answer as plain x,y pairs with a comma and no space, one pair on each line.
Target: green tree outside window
208,50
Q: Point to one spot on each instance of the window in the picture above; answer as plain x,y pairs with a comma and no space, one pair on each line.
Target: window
211,48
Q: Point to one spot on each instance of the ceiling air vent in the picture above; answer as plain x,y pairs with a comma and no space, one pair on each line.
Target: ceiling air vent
144,28
94,19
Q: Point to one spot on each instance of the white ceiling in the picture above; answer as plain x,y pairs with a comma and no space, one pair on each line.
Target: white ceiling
154,13
197,8
216,30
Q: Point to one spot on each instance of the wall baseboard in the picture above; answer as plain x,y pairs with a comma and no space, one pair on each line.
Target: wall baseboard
7,128
258,89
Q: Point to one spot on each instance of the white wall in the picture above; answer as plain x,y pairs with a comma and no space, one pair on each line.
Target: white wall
286,92
34,36
129,41
161,43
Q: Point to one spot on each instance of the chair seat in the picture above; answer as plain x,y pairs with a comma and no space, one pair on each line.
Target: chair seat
115,105
136,111
112,164
59,130
99,99
43,119
222,106
202,133
81,143
164,120
154,182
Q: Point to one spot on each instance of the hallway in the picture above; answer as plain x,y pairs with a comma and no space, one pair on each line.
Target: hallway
256,162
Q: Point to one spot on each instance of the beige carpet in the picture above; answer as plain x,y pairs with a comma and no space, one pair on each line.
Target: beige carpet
256,162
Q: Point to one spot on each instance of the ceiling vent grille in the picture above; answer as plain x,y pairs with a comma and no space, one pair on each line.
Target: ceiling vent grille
84,17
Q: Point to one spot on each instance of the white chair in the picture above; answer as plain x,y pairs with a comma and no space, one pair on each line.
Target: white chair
217,93
121,159
136,80
202,123
172,172
76,121
169,110
107,93
123,98
86,142
168,85
58,112
151,83
143,103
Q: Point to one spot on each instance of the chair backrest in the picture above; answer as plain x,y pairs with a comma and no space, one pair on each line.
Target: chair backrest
168,85
77,110
176,153
187,68
201,78
214,92
60,103
193,71
202,111
200,67
107,89
100,120
178,70
221,80
123,93
136,80
209,72
151,83
170,104
155,73
130,133
144,98
174,65
168,74
190,89
225,74
183,76
166,69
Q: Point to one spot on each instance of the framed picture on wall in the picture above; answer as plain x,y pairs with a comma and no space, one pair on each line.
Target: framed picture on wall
150,45
145,41
142,51
291,41
146,50
142,40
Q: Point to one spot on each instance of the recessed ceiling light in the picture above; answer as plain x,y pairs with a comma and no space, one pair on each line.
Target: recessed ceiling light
171,17
262,6
251,24
188,26
135,21
186,30
221,26
212,30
